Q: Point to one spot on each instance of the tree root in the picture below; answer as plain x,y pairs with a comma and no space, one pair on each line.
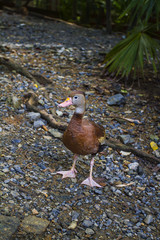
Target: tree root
32,102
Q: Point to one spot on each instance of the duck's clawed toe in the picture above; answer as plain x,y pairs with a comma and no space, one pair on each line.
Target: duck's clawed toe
70,173
90,182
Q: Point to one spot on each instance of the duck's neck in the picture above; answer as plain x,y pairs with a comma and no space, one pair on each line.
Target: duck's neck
80,110
77,116
76,119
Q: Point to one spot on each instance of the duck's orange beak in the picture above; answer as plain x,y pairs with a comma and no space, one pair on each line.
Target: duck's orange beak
66,103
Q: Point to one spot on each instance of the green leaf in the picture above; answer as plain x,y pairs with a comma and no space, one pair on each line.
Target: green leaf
124,91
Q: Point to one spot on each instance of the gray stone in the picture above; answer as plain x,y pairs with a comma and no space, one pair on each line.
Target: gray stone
148,219
140,170
118,192
133,166
87,223
106,188
59,113
156,153
8,226
32,224
14,193
8,157
113,189
18,169
134,219
16,102
55,133
41,102
108,222
21,111
5,170
38,123
158,177
117,99
33,116
89,231
126,139
75,215
142,235
126,221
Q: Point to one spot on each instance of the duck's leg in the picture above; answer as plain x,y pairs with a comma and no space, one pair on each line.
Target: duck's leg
89,181
70,173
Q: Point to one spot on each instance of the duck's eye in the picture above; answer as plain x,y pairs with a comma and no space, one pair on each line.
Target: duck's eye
75,97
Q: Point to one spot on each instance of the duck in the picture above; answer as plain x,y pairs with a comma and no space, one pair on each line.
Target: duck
82,136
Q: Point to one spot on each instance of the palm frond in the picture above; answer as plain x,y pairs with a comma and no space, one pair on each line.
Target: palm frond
143,9
129,55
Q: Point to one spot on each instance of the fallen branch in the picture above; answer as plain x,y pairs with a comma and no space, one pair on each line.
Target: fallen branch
32,102
15,66
11,65
34,13
117,145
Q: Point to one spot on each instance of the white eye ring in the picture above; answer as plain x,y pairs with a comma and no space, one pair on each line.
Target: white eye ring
75,97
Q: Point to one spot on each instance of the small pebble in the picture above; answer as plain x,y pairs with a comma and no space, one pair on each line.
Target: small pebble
5,170
133,166
87,223
157,177
148,219
73,225
34,211
89,231
14,193
38,123
59,113
33,116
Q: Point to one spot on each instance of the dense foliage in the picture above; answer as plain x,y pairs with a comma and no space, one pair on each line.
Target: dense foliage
87,12
142,43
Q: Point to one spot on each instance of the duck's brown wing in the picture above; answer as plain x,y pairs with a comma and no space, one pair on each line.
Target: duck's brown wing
98,130
101,136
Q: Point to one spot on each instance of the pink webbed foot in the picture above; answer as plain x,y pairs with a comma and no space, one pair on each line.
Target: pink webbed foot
71,173
90,182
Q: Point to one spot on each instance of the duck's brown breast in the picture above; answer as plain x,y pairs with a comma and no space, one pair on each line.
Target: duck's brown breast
82,136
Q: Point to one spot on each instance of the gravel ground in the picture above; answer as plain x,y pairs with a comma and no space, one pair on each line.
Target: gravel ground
36,204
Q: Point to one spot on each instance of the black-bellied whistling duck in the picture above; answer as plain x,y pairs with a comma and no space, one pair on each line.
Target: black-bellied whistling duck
82,136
